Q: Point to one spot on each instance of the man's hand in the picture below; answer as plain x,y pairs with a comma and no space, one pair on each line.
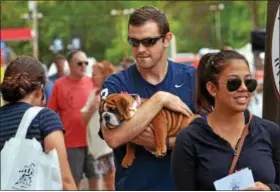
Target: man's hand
259,186
146,138
174,103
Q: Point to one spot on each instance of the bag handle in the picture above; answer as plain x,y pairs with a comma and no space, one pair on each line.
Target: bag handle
27,118
239,146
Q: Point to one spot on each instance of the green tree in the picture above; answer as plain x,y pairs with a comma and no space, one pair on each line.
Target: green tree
104,36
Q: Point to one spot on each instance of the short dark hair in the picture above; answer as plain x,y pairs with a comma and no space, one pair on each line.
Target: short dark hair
149,13
22,76
210,67
59,57
71,53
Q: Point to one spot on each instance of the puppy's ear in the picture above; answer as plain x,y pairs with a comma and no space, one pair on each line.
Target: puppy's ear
122,106
101,107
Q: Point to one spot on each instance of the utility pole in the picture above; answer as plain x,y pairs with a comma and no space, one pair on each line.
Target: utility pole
34,28
217,9
34,16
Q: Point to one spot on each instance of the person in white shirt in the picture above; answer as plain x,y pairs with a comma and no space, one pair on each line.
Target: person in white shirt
101,152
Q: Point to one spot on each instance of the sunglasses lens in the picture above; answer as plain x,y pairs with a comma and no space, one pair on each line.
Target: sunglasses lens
81,63
133,42
251,84
146,42
149,41
233,84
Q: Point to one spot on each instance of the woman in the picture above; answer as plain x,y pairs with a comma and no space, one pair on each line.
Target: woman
22,88
101,152
204,151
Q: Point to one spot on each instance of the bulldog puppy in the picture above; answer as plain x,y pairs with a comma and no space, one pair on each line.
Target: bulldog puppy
117,108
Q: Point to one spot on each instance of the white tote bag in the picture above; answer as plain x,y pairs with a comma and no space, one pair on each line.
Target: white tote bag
24,165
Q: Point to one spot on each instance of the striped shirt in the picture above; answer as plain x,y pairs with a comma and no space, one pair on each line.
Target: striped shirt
42,125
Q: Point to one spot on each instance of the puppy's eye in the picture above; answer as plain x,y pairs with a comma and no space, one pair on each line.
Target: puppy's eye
113,110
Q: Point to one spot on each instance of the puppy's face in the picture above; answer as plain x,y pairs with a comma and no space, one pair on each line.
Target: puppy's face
117,108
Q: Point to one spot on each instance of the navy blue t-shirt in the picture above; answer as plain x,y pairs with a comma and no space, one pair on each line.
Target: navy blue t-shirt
148,172
42,125
201,157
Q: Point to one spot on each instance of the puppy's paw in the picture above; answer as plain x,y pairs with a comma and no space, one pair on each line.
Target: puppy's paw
161,151
127,161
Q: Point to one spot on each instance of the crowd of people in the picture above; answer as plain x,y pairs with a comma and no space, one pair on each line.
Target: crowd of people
219,90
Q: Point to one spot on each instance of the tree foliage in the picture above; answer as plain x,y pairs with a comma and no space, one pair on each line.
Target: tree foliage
104,36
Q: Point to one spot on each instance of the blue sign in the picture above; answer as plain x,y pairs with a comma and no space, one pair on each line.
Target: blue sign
76,43
58,45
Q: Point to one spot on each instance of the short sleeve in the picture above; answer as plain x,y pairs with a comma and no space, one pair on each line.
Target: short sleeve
49,122
111,85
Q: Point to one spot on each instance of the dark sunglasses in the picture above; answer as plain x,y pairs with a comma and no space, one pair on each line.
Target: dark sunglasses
80,63
147,42
234,84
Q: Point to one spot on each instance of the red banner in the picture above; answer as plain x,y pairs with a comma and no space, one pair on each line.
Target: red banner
16,34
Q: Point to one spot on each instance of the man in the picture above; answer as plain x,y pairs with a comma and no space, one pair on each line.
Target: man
152,77
59,62
69,95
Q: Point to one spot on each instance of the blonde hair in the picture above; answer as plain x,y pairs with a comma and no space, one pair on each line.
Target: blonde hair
106,68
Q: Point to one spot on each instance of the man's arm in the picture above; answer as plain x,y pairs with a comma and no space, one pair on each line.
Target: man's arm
135,126
90,107
147,139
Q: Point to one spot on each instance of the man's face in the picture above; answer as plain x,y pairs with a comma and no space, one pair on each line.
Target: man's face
78,64
148,56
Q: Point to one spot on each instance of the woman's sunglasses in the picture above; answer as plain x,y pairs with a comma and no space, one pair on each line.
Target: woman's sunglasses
234,84
80,63
147,42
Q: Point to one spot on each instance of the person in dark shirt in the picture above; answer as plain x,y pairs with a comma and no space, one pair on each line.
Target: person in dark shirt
204,151
59,61
22,88
165,84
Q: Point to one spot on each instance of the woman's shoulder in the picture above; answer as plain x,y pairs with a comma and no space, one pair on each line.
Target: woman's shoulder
270,126
49,121
196,129
47,111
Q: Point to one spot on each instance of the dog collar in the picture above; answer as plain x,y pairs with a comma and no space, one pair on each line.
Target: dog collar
137,99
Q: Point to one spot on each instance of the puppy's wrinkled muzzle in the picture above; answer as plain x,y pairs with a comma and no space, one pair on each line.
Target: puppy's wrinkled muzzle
110,120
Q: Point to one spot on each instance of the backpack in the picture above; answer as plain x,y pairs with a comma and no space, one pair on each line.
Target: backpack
24,165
